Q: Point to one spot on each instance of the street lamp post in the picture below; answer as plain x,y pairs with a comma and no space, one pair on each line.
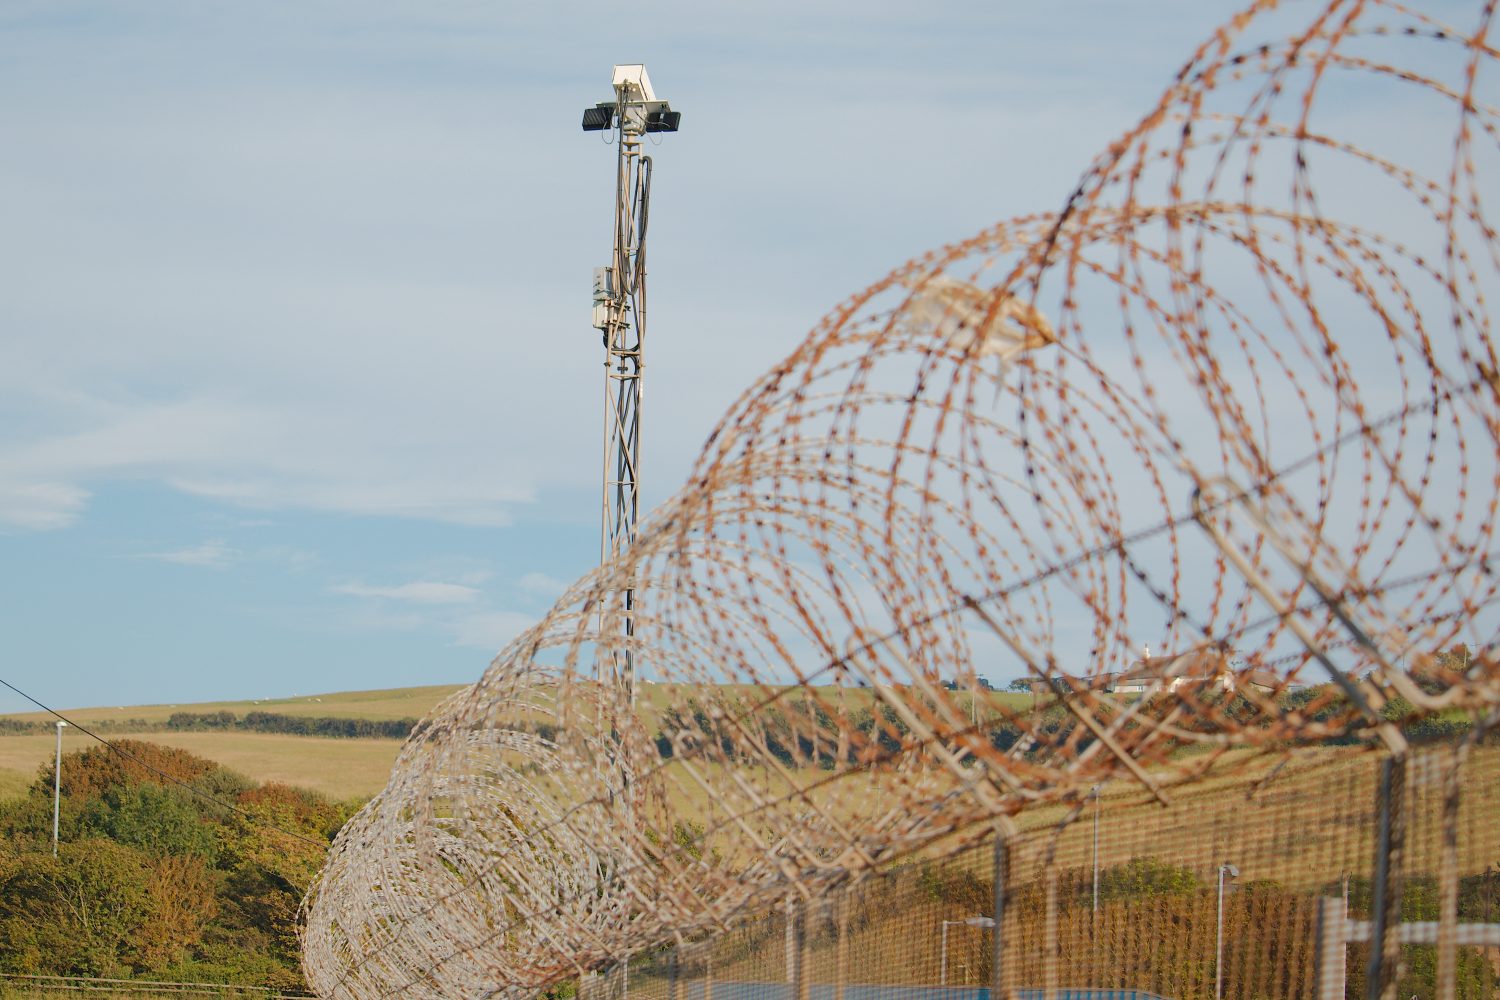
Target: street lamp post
57,787
943,961
1096,847
1225,869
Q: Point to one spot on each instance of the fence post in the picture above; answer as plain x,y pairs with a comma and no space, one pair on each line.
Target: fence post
841,970
1383,969
789,945
1447,951
997,939
1332,953
1049,940
796,950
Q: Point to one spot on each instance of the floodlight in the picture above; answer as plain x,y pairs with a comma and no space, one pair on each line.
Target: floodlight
598,118
635,109
664,120
632,77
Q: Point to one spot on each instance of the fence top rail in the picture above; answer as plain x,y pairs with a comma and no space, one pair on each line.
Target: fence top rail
83,983
1426,932
138,982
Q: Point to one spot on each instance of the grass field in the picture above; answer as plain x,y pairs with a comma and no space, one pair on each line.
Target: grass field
358,768
13,782
340,768
14,987
394,703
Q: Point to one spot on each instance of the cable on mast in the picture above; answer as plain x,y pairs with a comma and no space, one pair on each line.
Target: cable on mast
620,316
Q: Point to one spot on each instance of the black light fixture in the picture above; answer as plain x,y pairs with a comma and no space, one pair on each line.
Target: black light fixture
635,109
598,118
663,121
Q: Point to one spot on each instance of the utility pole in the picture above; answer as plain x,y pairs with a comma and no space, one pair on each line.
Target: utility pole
620,315
57,787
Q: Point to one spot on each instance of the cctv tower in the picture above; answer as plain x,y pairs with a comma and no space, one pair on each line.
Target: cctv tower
620,314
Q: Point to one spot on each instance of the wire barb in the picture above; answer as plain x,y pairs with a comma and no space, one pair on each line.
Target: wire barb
981,466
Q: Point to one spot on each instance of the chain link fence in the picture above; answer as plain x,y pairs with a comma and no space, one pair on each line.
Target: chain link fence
1273,884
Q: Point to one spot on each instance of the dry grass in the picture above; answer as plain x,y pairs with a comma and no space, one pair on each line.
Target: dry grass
1307,823
13,783
358,768
22,993
340,769
394,703
12,991
91,993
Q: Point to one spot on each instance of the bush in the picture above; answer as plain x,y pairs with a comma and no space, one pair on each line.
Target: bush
1146,876
154,881
155,818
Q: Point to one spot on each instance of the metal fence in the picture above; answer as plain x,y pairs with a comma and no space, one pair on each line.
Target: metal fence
14,985
1324,875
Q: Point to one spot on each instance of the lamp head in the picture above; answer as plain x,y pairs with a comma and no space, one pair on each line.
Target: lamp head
635,109
598,118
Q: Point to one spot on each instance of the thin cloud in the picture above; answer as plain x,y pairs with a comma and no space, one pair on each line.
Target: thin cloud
489,630
416,592
542,585
468,625
288,557
40,506
213,554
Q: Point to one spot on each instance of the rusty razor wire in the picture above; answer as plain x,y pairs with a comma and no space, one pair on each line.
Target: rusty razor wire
1236,402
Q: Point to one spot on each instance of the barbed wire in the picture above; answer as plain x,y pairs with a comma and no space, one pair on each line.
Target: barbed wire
1237,401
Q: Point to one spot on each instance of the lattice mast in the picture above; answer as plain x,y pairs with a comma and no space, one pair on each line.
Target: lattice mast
620,315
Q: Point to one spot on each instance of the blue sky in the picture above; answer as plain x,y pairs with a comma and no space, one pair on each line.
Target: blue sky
298,390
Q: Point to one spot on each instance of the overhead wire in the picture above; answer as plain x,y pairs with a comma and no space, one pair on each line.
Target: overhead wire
166,777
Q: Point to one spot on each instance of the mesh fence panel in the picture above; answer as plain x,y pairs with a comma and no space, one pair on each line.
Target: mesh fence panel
1129,895
1213,892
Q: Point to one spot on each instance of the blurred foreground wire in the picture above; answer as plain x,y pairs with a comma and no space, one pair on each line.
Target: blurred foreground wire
1235,403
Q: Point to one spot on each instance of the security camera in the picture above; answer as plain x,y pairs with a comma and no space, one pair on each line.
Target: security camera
632,83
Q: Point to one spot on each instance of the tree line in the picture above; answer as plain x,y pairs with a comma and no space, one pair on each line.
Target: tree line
251,722
817,733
